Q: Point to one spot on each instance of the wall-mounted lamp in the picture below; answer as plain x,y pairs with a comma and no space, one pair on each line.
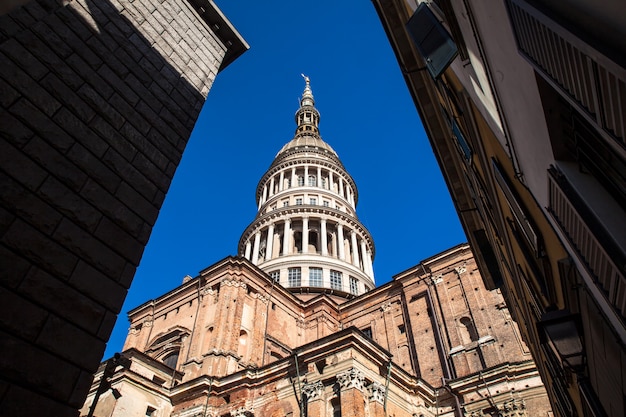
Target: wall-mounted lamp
560,331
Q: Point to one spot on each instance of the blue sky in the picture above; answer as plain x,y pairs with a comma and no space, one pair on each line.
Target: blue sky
367,116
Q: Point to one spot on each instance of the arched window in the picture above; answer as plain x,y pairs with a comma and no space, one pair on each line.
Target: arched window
468,331
243,344
171,359
312,181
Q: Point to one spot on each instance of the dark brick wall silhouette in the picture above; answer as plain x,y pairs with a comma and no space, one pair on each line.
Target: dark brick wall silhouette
97,102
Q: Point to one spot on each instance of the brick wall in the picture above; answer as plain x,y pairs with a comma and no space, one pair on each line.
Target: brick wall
97,102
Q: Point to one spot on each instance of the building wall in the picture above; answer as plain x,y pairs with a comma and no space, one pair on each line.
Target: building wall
98,102
527,124
435,325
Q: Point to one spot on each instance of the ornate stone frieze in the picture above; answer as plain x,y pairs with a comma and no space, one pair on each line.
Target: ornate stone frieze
437,279
386,307
377,392
352,378
313,391
262,298
240,412
234,283
461,269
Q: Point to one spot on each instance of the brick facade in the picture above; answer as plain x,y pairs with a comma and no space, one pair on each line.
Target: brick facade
245,345
98,100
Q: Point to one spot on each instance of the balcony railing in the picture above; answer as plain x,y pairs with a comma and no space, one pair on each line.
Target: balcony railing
566,207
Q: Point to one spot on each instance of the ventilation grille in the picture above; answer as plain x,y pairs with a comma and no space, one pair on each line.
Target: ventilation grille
605,273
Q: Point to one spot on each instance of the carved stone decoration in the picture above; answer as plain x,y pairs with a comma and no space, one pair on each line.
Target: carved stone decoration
513,408
313,391
437,279
461,269
240,412
377,392
234,283
208,291
262,298
385,307
352,378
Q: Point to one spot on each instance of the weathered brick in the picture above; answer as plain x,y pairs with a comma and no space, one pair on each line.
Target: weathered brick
98,103
55,162
20,402
70,204
112,207
62,299
111,135
11,277
134,118
90,76
147,148
152,172
41,124
27,86
8,95
163,145
81,132
20,316
71,343
92,163
36,367
138,204
40,249
27,205
45,44
129,173
69,99
107,326
14,130
95,284
66,24
89,248
19,166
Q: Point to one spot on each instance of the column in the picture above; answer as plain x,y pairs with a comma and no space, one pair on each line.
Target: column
340,181
319,176
306,175
355,249
324,237
286,237
352,384
255,250
281,181
305,235
264,194
270,242
272,186
376,393
370,266
342,252
363,254
330,180
294,180
314,398
248,249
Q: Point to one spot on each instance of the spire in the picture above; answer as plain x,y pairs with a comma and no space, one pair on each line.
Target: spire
307,116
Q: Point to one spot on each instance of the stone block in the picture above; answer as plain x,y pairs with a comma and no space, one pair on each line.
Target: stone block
78,347
62,299
69,98
41,124
129,173
14,130
11,277
88,247
19,402
70,204
19,316
90,162
118,239
53,161
28,206
139,204
35,367
112,207
96,285
39,248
